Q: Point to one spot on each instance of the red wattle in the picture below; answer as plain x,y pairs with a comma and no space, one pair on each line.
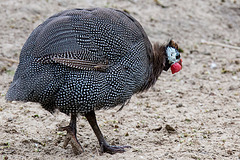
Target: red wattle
176,67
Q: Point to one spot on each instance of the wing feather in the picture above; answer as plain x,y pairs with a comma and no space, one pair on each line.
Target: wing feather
73,62
81,64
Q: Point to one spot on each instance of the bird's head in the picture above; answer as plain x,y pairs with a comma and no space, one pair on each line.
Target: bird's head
173,58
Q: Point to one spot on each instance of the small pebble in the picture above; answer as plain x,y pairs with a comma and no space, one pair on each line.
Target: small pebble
179,105
213,65
170,129
9,119
168,91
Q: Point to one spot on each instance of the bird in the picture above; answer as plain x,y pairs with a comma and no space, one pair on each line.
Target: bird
79,61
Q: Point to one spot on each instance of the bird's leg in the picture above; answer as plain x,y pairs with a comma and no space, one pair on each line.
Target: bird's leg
71,135
105,147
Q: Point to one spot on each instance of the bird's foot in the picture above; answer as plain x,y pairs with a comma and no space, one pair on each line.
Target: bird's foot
113,149
71,137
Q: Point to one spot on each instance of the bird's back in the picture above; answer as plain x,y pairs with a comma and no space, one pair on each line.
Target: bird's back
82,59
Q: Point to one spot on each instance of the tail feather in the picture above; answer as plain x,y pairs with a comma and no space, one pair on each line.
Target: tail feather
17,91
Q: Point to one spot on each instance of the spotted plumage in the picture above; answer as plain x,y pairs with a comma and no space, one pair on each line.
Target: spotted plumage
82,60
110,51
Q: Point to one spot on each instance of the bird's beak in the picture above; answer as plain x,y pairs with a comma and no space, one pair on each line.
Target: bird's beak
176,67
180,62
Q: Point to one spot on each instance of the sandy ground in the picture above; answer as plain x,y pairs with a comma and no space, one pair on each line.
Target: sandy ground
201,103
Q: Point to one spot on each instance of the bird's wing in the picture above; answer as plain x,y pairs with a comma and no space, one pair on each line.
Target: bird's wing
84,39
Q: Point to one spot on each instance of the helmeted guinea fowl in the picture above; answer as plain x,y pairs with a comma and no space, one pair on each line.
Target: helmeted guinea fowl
82,60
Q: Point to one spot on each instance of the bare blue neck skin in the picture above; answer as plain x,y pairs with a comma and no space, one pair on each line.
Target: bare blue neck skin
173,55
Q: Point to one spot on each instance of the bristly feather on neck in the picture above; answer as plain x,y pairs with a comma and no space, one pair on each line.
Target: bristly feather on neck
157,62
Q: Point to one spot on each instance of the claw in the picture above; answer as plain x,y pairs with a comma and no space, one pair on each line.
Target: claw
113,149
71,136
66,141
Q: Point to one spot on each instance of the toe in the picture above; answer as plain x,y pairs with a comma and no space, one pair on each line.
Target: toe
114,149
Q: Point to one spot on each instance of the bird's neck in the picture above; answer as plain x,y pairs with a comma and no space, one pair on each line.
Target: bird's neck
157,62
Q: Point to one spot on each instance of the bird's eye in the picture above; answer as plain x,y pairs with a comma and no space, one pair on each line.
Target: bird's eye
178,56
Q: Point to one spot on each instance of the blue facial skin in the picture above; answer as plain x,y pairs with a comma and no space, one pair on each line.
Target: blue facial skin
173,55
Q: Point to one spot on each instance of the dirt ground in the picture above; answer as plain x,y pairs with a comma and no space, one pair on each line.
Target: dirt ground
201,103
